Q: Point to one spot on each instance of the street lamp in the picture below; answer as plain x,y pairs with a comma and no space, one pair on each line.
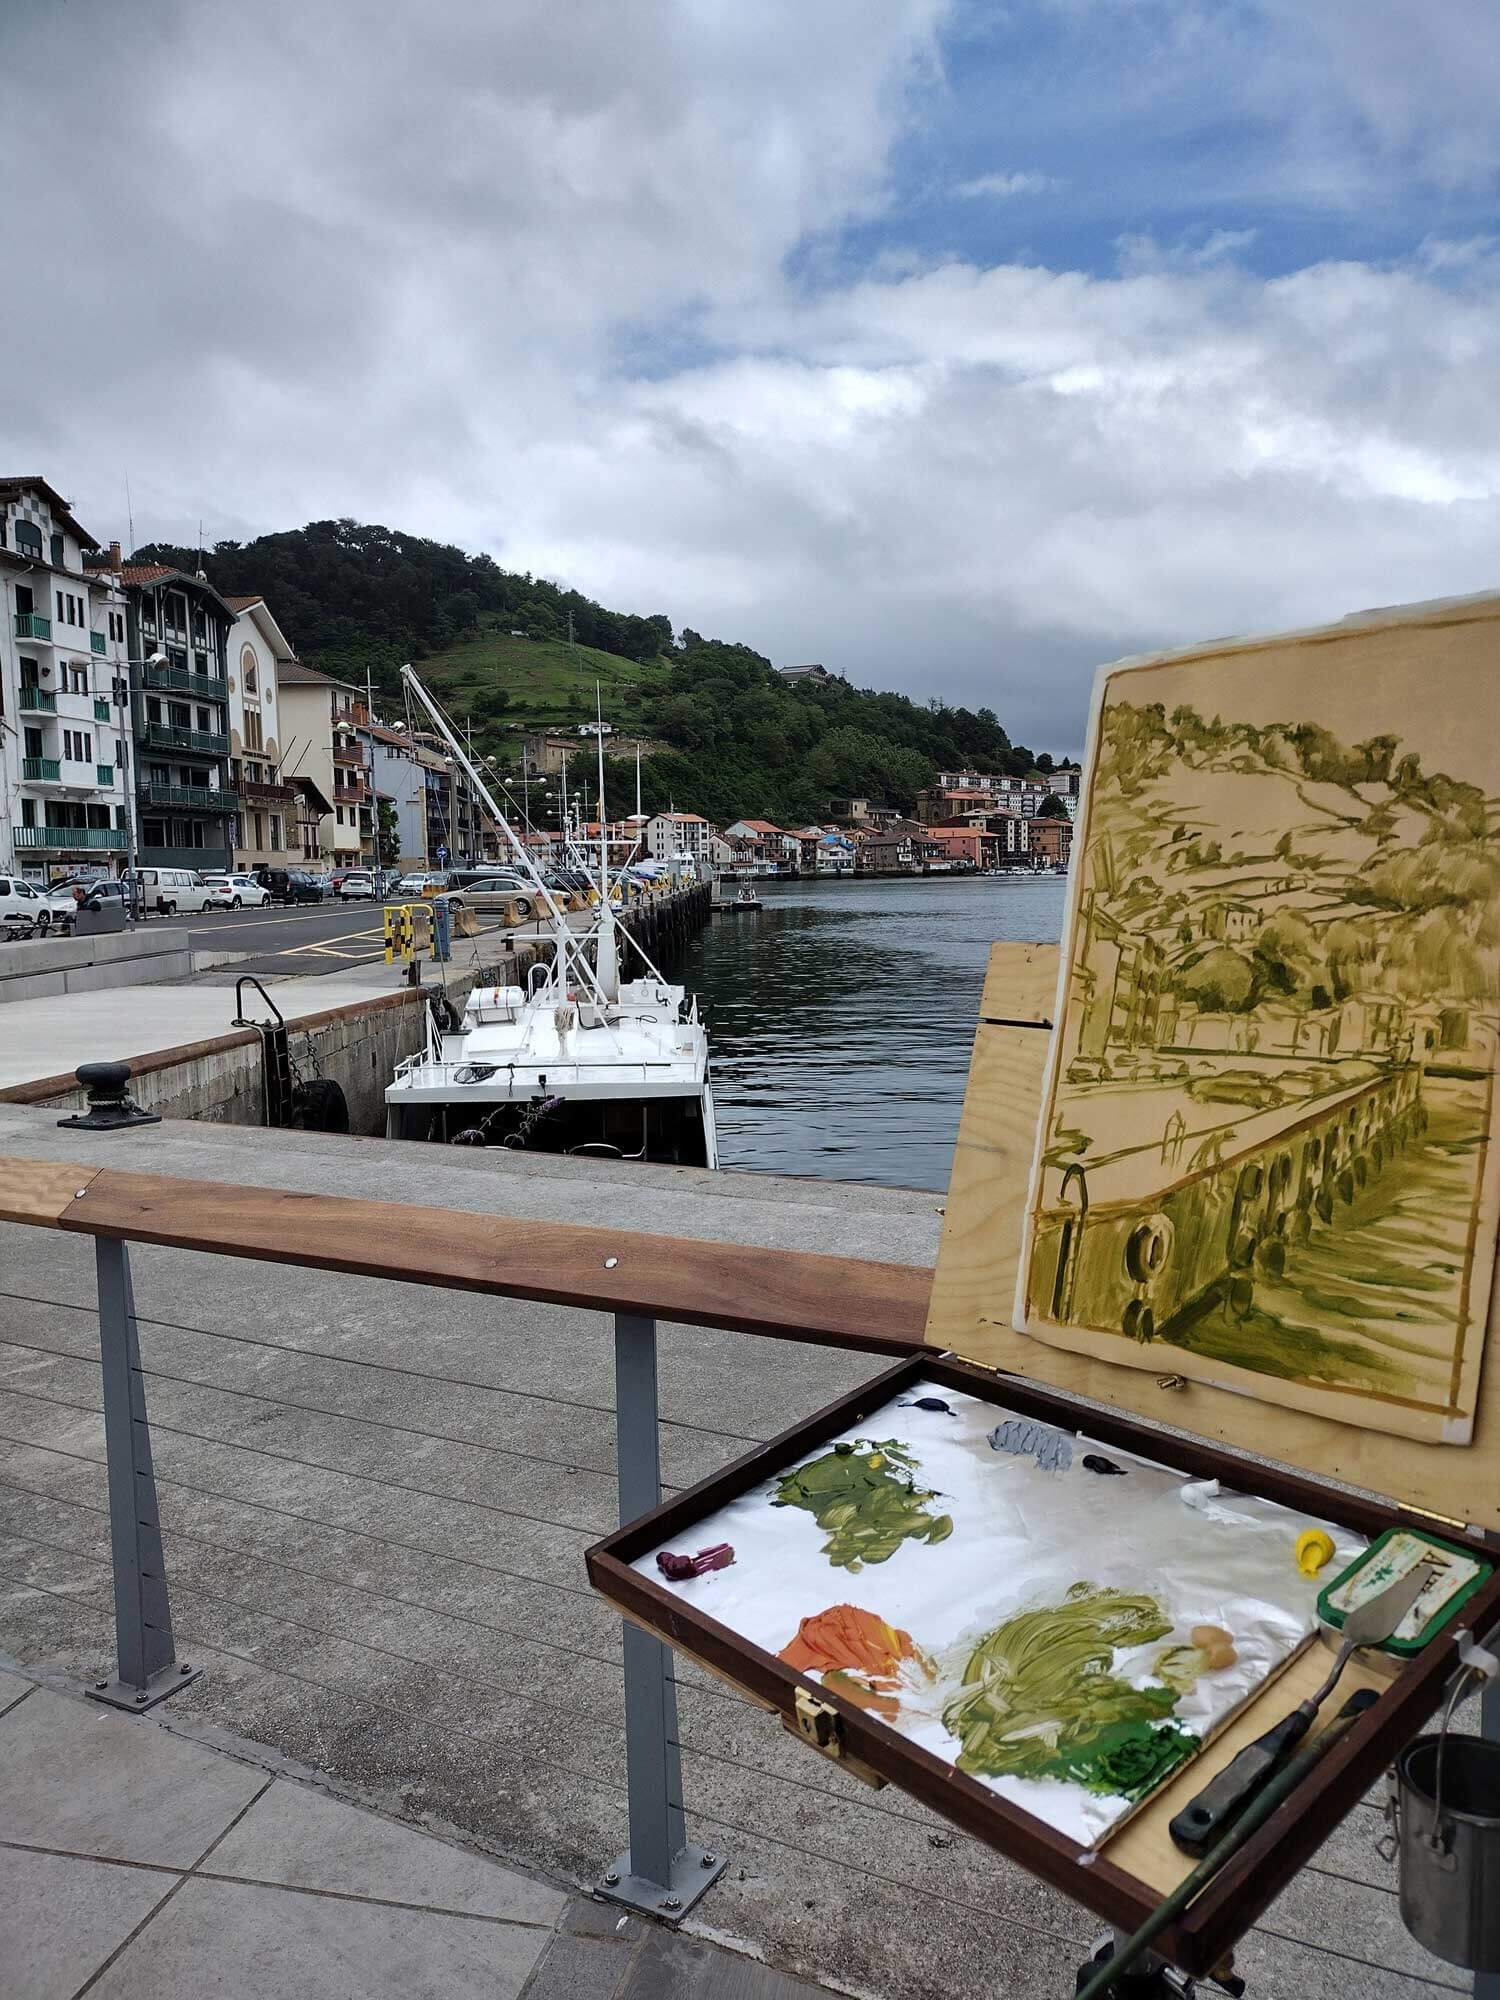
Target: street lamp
120,692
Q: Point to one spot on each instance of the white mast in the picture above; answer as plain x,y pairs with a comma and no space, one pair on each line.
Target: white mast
570,961
607,956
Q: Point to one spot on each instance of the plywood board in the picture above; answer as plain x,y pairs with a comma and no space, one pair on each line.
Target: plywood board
1265,1154
1020,984
38,1191
969,1315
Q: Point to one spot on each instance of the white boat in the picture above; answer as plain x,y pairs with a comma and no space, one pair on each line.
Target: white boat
578,1060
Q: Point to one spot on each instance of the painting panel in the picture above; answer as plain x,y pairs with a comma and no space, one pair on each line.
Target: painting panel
1265,1154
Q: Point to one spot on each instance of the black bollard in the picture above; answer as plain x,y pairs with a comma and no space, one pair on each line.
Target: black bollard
110,1104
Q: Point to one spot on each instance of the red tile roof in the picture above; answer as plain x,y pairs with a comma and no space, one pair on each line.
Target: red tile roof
243,603
134,573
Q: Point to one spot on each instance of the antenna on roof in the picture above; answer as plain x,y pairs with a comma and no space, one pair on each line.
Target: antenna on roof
201,573
129,515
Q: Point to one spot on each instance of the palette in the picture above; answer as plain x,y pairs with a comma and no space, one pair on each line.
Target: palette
1064,1623
745,1633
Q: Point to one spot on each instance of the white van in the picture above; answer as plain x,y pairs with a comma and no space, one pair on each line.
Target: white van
171,890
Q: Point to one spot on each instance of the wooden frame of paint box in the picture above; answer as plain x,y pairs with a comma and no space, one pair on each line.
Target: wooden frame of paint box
1127,1875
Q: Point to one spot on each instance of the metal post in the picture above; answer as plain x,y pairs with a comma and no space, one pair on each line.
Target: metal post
147,1668
659,1872
1487,1984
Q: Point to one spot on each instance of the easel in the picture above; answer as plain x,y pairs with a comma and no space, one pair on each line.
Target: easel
974,1282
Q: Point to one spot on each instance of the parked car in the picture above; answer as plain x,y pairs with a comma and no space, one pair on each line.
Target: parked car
102,892
293,885
493,893
241,891
356,885
411,888
178,890
23,911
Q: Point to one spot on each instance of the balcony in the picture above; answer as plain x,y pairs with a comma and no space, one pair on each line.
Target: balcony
109,839
354,758
207,742
258,792
189,798
182,680
209,859
96,641
41,770
101,710
32,625
41,700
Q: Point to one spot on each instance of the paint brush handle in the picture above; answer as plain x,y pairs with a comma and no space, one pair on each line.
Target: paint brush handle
1204,1818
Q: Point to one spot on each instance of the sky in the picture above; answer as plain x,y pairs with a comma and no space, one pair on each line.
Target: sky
959,347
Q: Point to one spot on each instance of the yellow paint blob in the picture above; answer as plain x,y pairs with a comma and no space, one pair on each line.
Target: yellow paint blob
1314,1549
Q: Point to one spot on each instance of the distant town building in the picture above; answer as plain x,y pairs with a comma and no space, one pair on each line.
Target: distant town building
808,673
672,833
319,720
177,629
63,802
264,829
1051,840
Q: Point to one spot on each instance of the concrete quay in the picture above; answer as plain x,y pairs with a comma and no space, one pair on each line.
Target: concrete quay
374,1501
43,968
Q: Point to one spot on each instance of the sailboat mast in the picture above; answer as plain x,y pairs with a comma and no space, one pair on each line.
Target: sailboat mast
567,944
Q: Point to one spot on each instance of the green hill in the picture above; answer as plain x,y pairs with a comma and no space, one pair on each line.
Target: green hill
742,741
496,679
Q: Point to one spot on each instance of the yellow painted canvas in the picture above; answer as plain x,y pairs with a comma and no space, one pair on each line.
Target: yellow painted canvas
1265,1154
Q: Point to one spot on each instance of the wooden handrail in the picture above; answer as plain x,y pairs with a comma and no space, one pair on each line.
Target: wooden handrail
783,1294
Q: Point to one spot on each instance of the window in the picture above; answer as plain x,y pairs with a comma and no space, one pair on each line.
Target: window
57,552
276,829
153,709
205,720
116,622
60,618
33,742
181,715
28,541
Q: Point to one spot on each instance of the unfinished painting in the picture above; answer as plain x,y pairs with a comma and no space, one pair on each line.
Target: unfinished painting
1264,1157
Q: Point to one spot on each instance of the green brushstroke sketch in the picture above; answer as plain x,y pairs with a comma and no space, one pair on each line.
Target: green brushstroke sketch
1038,1698
866,1498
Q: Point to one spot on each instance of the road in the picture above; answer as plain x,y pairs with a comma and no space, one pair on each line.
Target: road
306,942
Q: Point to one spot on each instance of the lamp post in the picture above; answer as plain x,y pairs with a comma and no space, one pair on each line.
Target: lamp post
120,692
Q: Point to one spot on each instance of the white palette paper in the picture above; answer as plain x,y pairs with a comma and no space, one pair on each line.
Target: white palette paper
1022,1537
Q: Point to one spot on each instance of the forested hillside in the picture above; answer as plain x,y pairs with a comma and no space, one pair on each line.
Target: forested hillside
743,741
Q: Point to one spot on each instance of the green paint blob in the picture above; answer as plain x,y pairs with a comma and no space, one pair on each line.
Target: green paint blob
863,1494
1039,1701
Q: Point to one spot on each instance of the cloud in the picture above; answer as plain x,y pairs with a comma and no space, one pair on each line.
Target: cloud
1000,186
634,297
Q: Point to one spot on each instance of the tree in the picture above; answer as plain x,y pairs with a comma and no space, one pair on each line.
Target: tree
1220,982
1052,807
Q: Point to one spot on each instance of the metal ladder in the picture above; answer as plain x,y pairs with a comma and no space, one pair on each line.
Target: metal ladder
276,1053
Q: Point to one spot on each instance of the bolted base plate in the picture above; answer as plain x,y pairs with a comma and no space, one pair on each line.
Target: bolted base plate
116,1693
112,1119
693,1871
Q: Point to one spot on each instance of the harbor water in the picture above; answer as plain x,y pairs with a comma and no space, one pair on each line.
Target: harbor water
841,1018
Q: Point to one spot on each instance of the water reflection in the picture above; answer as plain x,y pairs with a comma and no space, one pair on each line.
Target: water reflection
841,1019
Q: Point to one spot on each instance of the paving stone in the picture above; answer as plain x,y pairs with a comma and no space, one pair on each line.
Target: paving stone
673,1967
13,1688
587,1916
303,1839
60,1918
80,1777
575,1968
240,1941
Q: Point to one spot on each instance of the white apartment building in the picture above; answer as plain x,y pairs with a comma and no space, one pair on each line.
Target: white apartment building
319,744
672,833
62,644
264,834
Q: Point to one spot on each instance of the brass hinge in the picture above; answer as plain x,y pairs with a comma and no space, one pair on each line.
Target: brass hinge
820,1724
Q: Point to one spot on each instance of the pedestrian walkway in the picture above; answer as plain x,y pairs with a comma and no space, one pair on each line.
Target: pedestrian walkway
140,1865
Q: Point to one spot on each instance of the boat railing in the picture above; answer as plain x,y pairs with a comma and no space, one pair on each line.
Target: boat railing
639,1279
